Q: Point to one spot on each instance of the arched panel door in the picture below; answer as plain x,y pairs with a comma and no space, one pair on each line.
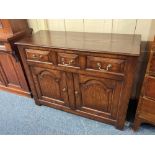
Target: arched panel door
97,96
50,85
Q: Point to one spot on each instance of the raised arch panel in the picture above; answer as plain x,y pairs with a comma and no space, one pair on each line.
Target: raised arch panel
48,81
47,73
96,95
49,85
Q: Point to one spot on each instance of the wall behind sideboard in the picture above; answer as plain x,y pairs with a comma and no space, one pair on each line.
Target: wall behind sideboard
125,26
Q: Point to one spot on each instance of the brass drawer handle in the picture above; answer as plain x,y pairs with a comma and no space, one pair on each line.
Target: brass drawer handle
102,69
63,62
40,56
71,61
34,56
99,67
108,66
57,80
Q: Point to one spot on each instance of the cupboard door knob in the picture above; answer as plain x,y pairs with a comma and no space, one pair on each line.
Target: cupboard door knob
57,80
40,56
76,92
64,89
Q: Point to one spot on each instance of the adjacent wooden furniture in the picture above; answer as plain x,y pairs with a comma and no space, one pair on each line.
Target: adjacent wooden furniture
87,74
11,73
138,80
146,106
140,71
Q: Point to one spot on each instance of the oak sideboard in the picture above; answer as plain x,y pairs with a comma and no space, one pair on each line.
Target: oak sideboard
88,74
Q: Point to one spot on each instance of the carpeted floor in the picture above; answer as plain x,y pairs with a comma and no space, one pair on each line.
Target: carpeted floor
20,116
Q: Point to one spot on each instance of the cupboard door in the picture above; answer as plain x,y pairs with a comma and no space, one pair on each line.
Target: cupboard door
97,96
12,73
50,85
8,71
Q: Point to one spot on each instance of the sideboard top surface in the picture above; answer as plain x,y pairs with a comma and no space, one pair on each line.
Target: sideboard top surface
122,44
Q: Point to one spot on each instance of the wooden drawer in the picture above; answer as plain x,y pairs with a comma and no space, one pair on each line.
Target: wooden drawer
105,64
39,55
147,106
149,87
68,60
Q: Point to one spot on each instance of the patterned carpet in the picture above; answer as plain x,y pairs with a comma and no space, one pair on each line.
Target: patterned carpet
20,116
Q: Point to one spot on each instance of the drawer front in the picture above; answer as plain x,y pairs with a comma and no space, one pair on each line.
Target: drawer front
152,63
149,87
68,60
147,106
38,55
105,64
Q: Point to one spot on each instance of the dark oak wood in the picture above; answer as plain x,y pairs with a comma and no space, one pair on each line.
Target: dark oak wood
93,42
87,74
140,71
11,28
151,65
50,85
97,96
12,76
146,106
